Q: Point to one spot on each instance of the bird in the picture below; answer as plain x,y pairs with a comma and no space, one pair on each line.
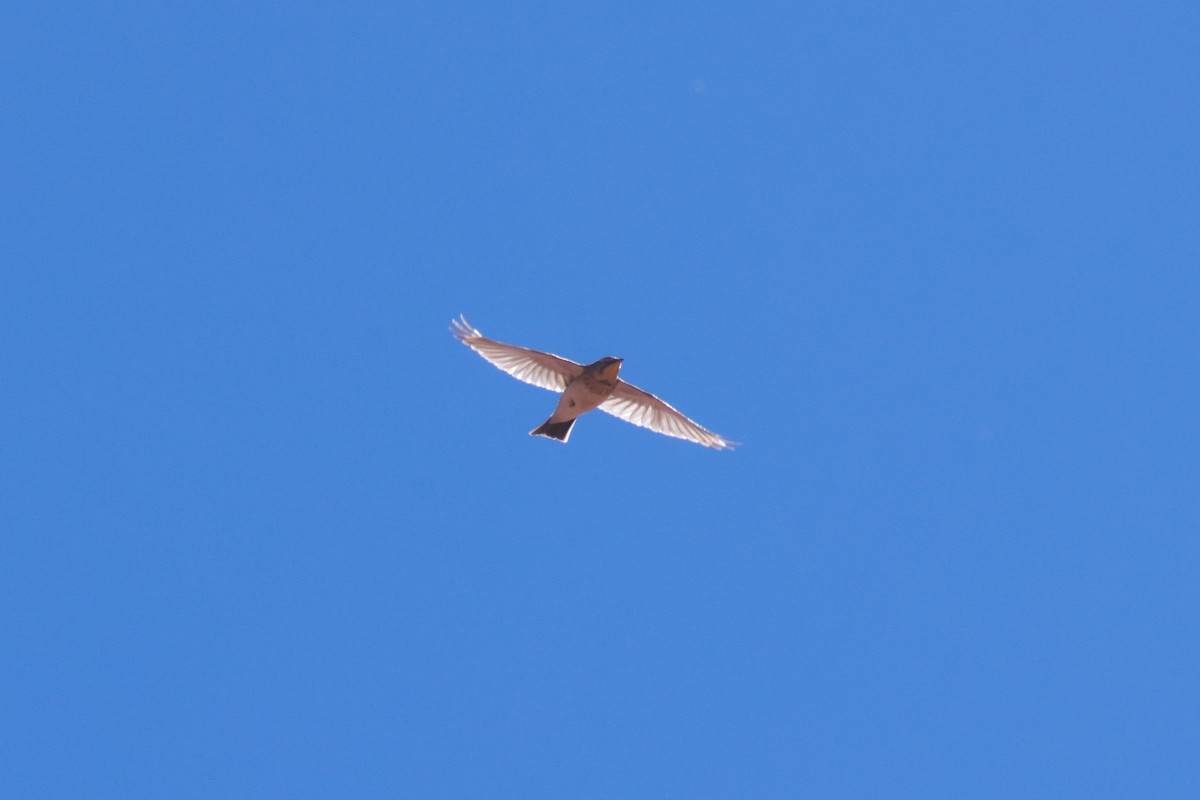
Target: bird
583,388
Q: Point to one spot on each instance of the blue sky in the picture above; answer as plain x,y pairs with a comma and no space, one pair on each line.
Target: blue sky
271,532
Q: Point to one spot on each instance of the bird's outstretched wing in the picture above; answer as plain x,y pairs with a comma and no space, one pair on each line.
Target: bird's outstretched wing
632,404
541,369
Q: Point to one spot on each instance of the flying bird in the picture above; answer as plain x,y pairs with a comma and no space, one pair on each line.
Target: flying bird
583,388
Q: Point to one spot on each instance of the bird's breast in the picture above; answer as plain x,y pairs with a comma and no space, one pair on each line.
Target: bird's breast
582,395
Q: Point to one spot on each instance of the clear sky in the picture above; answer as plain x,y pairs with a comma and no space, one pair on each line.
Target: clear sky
270,531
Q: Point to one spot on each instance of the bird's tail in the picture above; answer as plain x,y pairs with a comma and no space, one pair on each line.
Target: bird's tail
554,430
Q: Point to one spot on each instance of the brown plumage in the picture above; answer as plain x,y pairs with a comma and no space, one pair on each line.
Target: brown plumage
584,388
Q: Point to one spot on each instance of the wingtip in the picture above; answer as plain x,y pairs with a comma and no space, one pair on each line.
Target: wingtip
461,328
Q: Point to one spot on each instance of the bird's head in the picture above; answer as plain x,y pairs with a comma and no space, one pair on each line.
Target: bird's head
608,367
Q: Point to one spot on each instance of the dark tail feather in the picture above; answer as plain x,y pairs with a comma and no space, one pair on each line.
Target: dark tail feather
554,430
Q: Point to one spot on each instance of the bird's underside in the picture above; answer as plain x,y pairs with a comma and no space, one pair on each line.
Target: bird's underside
624,401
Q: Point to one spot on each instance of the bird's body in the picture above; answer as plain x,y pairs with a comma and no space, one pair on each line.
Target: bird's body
593,386
585,388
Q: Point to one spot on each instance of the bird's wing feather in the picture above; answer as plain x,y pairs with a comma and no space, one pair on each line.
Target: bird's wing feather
632,404
541,369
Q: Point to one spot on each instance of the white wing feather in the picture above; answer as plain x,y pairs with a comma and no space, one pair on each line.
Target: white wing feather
632,404
541,369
